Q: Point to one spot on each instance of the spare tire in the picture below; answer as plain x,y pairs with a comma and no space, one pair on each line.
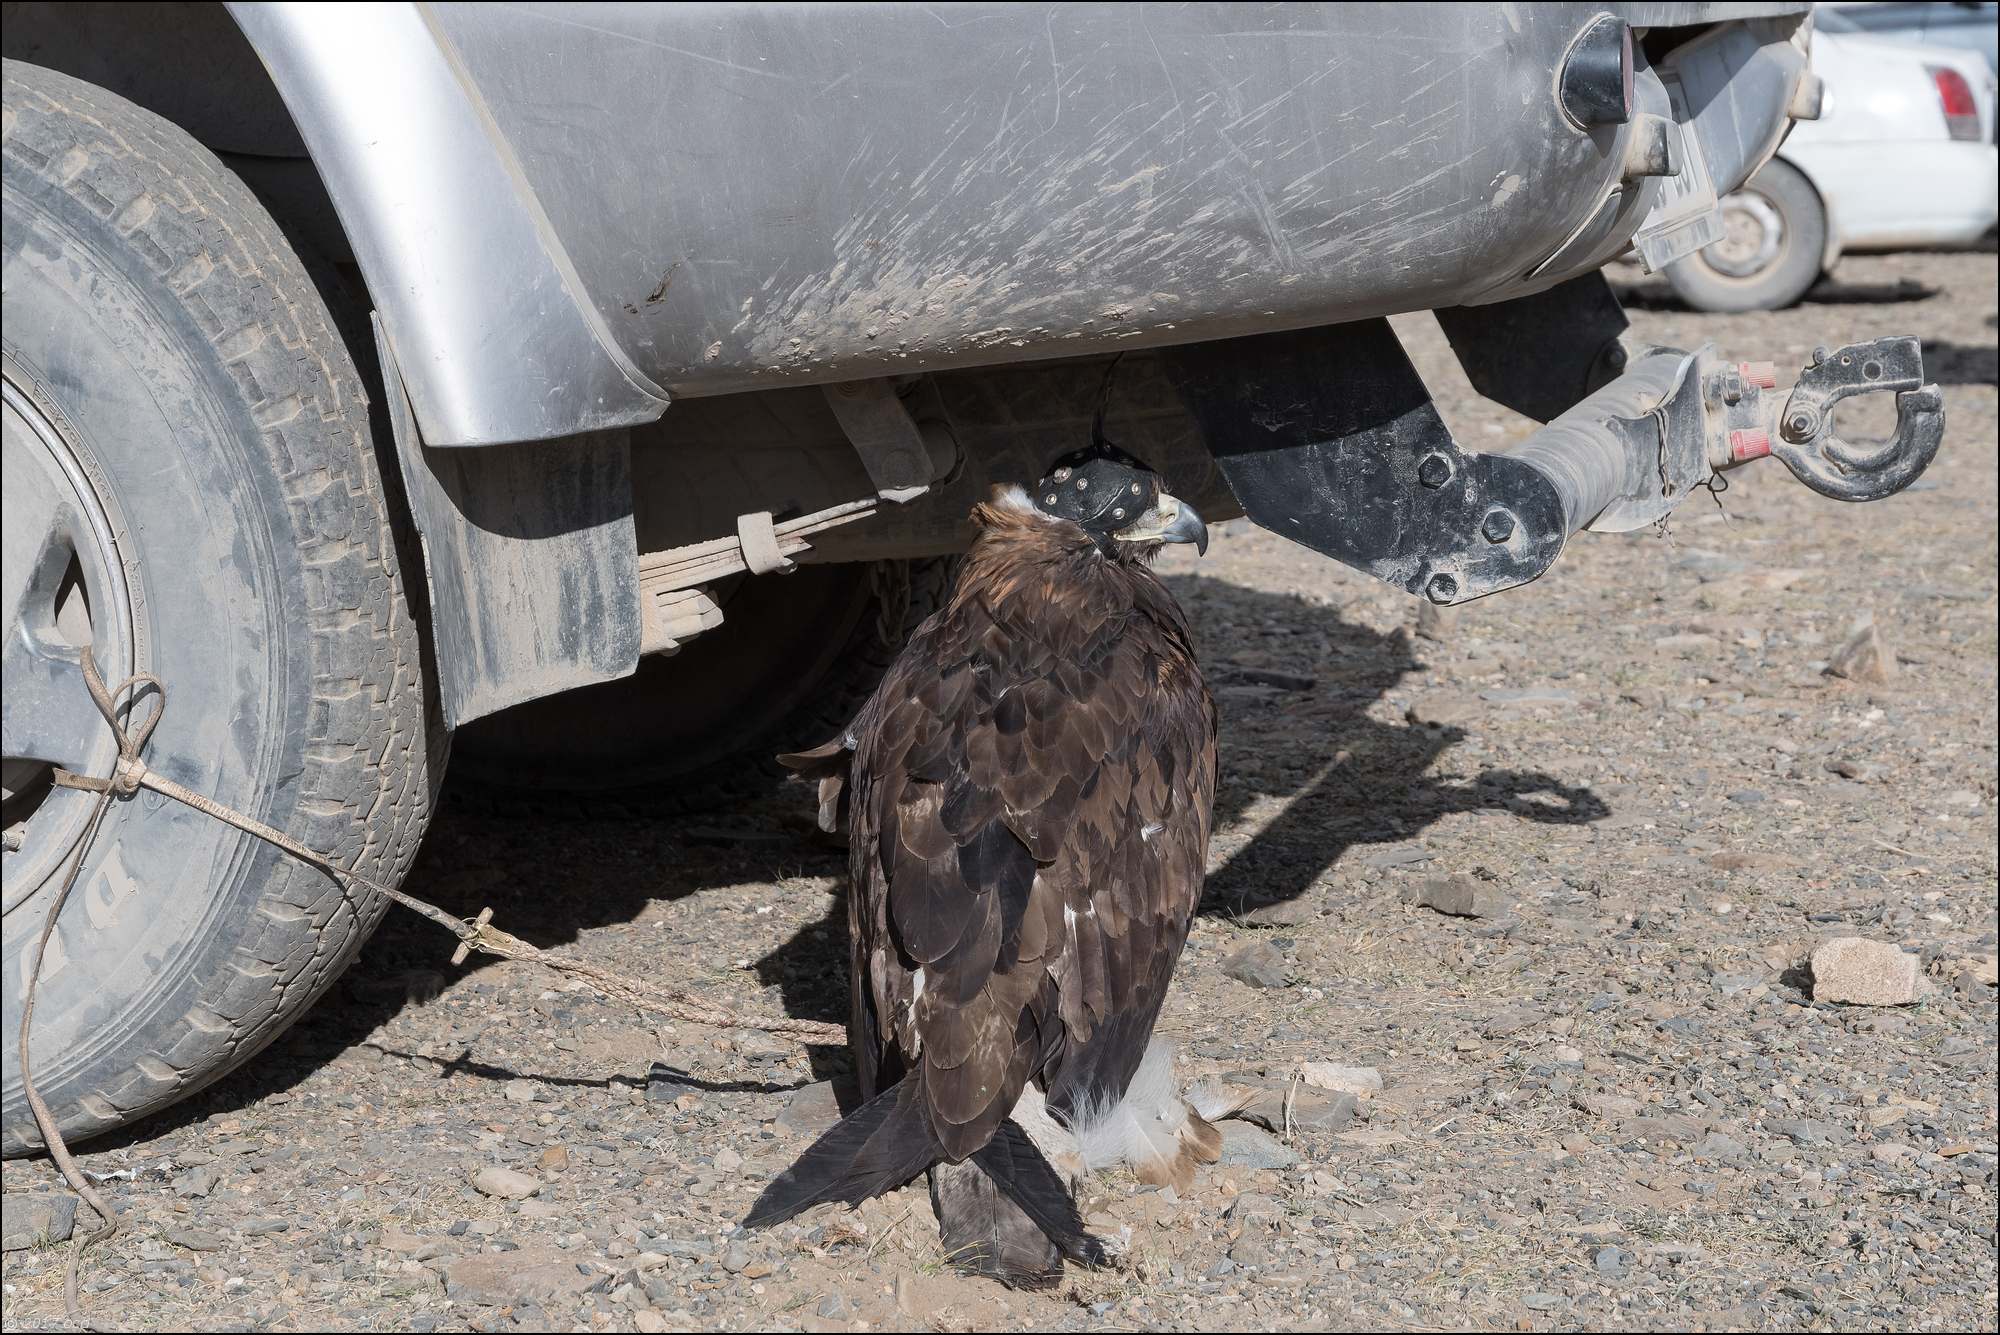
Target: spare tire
191,491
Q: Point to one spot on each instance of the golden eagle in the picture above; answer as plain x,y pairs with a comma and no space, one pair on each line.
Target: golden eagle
1028,794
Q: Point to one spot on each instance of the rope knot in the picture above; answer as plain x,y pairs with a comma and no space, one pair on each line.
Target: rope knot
128,777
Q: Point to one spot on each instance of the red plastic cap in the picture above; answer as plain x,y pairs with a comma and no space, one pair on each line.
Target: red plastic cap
1749,444
1764,375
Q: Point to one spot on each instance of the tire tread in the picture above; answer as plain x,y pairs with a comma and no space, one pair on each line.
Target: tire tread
366,792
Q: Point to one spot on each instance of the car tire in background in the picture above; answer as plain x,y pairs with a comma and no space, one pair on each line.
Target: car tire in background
794,659
191,491
1772,252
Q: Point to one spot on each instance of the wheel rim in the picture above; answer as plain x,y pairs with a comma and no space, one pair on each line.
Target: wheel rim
1753,236
63,588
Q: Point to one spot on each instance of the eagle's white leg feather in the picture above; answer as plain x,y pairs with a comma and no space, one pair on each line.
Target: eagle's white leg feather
1152,1129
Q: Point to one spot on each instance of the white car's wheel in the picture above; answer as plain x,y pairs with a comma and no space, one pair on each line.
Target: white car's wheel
1775,236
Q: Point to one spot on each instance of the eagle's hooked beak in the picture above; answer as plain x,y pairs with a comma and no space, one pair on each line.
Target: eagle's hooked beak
1172,520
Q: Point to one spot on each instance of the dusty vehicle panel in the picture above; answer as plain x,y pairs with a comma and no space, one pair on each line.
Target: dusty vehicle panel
736,196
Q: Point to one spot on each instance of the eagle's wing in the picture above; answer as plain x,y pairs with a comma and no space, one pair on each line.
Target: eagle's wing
1030,825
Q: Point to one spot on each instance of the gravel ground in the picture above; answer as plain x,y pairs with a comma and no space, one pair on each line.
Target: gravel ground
1607,1096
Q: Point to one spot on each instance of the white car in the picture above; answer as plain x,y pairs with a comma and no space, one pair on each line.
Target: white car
1902,155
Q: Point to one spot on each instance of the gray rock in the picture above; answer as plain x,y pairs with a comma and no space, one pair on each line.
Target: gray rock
1806,1131
505,1183
1861,972
1363,1082
1260,964
1462,897
194,1239
1543,1302
737,1257
1396,857
1277,913
540,1275
1613,1262
757,1046
259,1226
1861,771
1435,623
1253,1205
1251,1252
1529,696
835,1307
664,1084
1863,656
811,1110
1511,1021
1247,1146
36,1221
1312,1109
520,1091
194,1184
1442,709
1284,681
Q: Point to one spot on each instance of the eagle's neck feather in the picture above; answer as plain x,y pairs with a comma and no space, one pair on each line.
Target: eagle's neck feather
1044,576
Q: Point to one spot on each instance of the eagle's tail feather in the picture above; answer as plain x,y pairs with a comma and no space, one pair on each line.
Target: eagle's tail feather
876,1148
1004,1213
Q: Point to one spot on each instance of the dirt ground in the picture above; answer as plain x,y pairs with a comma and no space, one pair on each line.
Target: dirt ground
1608,1100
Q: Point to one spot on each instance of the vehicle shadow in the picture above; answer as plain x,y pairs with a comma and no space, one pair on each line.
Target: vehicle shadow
1348,779
1961,363
1654,294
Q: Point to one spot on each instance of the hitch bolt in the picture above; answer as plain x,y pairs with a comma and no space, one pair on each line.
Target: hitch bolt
1799,426
1434,471
1764,375
1441,589
1499,526
1748,444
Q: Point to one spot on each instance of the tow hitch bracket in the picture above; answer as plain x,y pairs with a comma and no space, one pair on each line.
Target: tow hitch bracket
1329,437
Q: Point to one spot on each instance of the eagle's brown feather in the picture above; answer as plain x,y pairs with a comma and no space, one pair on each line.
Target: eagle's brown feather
1048,847
1028,800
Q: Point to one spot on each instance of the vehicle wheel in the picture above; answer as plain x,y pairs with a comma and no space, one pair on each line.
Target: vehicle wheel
1771,252
190,491
795,657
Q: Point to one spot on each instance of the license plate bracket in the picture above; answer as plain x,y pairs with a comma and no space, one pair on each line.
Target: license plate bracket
1688,215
